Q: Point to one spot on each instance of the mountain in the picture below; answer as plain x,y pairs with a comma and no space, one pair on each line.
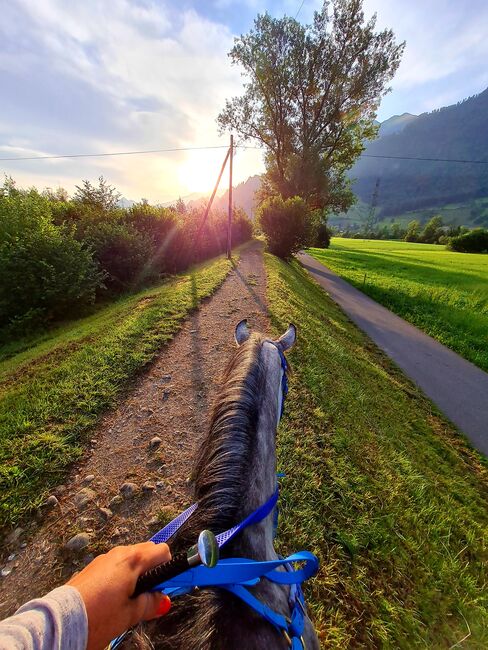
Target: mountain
396,123
125,203
189,199
458,132
242,197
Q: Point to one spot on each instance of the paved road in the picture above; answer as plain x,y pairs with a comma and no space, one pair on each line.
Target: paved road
455,385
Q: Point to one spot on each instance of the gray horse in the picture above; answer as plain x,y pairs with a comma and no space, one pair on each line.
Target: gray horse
235,473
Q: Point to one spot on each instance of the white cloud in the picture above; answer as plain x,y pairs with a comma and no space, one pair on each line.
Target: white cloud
137,56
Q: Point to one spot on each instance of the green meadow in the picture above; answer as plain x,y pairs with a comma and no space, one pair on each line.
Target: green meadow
378,485
443,293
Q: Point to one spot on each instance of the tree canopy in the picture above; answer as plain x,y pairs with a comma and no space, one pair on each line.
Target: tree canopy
310,97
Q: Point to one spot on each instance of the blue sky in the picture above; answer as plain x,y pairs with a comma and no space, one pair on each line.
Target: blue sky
115,75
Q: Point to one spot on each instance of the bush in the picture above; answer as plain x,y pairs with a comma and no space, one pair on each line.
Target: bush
56,253
475,241
46,273
122,252
160,225
287,224
432,231
194,243
412,233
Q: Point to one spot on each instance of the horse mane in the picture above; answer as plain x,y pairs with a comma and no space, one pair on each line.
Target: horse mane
221,472
212,618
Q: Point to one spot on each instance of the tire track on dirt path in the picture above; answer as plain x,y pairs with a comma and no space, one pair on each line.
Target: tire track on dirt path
171,401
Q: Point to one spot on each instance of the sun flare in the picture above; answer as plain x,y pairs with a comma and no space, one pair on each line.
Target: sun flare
199,174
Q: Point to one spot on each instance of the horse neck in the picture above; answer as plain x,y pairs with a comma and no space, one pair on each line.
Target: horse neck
257,541
236,470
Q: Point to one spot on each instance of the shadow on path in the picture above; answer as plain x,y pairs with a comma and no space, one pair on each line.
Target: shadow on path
200,399
245,282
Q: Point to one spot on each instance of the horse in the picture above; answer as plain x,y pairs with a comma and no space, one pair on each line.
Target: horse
234,474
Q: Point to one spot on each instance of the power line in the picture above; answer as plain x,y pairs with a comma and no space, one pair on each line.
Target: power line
223,146
299,9
453,160
116,153
370,155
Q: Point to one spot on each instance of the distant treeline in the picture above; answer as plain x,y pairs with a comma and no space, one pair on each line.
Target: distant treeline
58,255
456,238
433,232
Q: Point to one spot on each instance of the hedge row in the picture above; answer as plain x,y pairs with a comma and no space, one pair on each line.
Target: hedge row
58,255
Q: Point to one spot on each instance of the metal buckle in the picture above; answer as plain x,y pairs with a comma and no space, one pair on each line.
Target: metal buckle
287,637
289,641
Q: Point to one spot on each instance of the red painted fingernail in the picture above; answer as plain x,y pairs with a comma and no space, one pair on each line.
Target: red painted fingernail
164,606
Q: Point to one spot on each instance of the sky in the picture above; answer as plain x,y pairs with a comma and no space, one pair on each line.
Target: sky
97,76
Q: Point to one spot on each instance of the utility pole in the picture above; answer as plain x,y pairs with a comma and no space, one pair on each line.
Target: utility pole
209,204
231,207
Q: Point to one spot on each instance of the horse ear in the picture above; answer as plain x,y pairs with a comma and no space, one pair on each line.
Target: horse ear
241,332
288,339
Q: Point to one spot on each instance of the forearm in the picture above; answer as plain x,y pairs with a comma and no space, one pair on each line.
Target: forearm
58,621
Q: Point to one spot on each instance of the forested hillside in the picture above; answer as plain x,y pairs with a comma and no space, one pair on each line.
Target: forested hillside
455,132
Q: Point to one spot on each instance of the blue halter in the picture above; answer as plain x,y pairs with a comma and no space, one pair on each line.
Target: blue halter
236,574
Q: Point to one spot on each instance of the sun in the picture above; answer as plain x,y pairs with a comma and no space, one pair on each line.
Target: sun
199,173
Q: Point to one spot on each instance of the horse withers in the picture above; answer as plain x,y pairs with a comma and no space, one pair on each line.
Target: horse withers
234,474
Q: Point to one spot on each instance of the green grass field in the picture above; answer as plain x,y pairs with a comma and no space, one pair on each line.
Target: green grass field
54,387
378,485
443,293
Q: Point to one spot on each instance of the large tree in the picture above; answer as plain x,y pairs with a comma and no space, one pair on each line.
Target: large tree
310,97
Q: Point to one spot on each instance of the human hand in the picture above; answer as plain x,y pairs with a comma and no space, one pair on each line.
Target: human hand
106,586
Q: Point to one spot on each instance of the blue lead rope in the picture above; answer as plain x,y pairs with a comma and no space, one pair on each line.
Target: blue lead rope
222,538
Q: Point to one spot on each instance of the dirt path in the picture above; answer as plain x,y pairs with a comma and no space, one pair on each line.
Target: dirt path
170,401
455,385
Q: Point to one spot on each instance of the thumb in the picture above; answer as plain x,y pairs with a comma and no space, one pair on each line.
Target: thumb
157,605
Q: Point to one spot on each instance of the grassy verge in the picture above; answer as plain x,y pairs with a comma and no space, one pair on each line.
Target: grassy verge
53,392
377,485
443,293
